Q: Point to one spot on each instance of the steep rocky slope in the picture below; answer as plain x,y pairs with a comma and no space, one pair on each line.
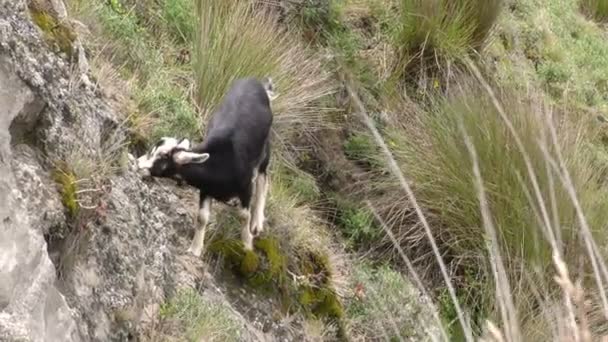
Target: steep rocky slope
101,274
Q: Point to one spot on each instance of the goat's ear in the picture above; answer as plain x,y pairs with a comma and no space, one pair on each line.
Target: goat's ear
184,144
184,157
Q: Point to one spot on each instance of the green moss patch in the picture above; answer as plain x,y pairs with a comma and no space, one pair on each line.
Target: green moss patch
270,270
57,34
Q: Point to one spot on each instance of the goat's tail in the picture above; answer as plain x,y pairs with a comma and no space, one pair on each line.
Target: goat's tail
269,87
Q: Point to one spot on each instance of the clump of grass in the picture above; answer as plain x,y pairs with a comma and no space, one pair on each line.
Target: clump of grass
169,107
523,296
441,30
191,317
144,48
67,186
445,187
235,41
596,9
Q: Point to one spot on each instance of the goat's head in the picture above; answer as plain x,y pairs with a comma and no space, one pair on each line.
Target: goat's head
164,159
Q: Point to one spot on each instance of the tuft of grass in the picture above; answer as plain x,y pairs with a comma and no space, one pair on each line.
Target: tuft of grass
596,9
170,107
562,184
146,49
516,173
191,317
67,185
441,30
235,41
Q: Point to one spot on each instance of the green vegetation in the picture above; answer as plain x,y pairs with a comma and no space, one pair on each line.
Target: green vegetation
442,30
192,317
267,270
147,50
357,223
446,184
67,185
234,41
548,68
361,148
58,34
385,304
596,9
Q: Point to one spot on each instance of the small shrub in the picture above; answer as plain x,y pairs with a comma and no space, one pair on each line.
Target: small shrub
314,17
300,184
167,105
596,9
130,44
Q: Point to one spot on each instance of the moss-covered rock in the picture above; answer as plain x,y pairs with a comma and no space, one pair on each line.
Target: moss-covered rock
59,35
270,270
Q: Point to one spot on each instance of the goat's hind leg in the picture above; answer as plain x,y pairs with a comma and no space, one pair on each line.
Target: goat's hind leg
257,223
245,214
261,183
204,213
246,236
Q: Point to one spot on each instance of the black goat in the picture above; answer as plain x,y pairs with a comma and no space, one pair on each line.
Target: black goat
231,163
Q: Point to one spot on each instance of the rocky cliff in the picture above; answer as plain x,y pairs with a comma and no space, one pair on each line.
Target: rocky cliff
102,272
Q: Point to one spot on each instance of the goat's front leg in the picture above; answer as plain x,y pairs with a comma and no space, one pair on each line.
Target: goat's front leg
204,213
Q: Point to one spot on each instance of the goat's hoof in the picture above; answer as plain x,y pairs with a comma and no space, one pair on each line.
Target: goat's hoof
194,252
248,246
256,230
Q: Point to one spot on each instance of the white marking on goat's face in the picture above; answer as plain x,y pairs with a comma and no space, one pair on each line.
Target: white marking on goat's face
166,155
158,160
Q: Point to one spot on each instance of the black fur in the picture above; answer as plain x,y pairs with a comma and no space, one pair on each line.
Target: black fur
237,140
